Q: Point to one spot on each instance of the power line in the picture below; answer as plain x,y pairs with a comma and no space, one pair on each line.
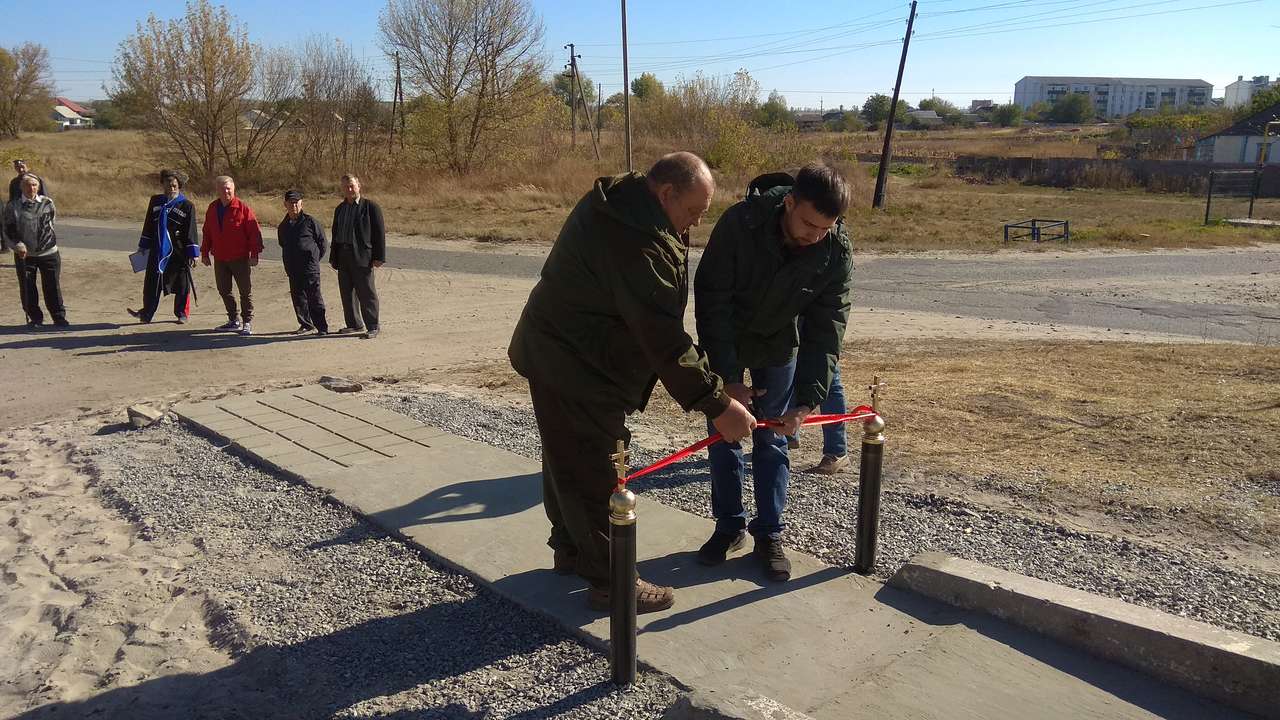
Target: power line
1067,12
747,53
942,35
742,37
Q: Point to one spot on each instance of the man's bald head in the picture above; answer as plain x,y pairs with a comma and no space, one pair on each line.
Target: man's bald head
681,169
683,185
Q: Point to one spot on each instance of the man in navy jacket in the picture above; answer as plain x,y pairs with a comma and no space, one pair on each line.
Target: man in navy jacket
302,243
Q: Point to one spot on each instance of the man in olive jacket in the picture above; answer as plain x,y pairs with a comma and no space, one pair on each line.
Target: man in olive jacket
604,323
777,261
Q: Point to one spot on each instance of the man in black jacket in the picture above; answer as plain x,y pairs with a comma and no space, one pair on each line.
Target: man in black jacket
302,245
15,185
169,237
359,246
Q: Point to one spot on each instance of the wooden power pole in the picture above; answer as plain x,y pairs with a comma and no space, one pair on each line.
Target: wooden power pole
882,174
626,89
573,99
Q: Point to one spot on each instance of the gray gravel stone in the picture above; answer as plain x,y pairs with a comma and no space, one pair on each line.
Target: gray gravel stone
821,520
331,618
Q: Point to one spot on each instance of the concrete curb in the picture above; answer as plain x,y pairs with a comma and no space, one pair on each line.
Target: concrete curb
1237,669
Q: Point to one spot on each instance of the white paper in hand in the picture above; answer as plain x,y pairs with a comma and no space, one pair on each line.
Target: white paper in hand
139,260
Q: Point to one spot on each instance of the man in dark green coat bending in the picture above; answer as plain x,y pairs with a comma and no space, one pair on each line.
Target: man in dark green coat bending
602,326
771,299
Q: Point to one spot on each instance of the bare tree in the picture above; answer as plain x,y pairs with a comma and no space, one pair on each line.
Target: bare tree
197,78
25,89
477,65
275,87
338,115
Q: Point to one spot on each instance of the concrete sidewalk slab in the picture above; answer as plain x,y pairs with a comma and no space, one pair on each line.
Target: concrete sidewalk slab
1238,669
829,643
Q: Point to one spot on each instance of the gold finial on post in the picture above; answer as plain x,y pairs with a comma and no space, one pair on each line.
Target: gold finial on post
620,461
874,387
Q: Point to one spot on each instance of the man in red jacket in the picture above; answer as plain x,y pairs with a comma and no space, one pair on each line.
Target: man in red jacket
232,236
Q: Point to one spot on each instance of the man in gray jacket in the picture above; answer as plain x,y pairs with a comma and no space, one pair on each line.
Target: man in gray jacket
28,232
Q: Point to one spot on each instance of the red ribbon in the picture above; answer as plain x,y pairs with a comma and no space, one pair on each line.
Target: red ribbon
862,412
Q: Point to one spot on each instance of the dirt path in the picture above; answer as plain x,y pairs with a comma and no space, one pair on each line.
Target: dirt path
1219,295
433,319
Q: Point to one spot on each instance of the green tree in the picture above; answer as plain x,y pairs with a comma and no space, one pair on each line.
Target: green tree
1073,108
560,87
120,114
1038,112
646,86
945,109
1261,101
25,89
876,109
1007,115
774,113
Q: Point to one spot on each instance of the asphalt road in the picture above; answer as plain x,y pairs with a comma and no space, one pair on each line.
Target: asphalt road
1125,292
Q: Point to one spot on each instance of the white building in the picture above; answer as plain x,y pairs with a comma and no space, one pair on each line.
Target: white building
68,119
1241,91
1246,141
1114,97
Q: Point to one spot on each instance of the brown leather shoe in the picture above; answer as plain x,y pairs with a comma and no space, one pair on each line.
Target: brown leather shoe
830,465
649,597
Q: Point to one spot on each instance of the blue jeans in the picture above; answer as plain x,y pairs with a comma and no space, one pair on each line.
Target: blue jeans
770,464
834,441
833,436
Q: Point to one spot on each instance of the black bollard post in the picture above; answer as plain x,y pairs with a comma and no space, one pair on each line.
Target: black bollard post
622,578
622,585
869,494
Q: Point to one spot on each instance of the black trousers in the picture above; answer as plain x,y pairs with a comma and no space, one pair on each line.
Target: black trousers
577,475
356,286
308,304
153,287
49,268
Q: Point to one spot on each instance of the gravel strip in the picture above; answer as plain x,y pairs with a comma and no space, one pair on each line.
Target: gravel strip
821,514
326,616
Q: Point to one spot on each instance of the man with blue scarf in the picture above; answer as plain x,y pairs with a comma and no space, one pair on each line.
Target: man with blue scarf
169,237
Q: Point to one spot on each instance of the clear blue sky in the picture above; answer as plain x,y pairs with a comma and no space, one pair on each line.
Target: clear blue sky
831,52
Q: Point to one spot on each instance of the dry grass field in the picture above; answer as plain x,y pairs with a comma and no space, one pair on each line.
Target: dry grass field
109,174
1075,430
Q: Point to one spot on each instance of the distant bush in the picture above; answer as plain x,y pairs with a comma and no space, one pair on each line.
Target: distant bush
1007,115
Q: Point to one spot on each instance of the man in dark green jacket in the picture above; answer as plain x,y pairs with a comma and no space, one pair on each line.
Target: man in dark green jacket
777,262
602,326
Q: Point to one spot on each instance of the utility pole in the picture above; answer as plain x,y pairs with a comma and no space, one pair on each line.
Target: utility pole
400,97
882,175
626,89
395,95
573,99
586,110
400,91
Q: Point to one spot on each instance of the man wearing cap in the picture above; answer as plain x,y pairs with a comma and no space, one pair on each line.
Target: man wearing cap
15,185
302,244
